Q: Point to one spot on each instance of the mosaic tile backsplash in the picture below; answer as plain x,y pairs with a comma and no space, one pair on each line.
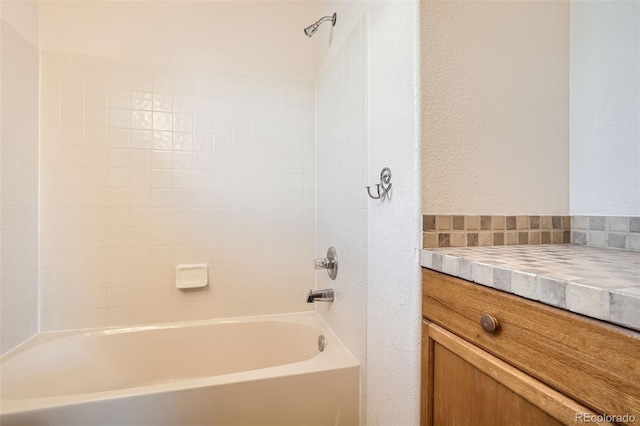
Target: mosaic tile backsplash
621,232
485,230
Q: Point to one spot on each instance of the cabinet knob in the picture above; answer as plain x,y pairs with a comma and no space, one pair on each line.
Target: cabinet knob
489,323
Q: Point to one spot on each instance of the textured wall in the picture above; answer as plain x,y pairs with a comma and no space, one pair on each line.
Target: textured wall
495,107
341,201
605,108
148,166
393,312
18,181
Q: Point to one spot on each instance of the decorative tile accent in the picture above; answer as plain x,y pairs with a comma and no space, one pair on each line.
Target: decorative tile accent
485,230
620,232
597,282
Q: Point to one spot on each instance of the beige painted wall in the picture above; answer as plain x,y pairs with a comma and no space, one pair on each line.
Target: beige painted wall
22,15
495,107
257,37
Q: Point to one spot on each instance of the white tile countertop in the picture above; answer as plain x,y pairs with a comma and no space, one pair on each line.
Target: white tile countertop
596,282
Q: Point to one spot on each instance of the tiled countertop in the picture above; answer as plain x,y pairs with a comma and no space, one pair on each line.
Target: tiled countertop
597,282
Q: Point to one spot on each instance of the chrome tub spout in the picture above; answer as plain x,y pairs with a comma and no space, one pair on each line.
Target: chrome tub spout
325,295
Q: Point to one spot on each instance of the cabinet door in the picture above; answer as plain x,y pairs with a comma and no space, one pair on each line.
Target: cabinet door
464,385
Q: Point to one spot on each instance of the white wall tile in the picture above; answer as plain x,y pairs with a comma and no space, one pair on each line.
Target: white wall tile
141,120
71,73
95,116
162,121
96,96
119,98
160,170
118,118
162,101
71,93
341,205
142,100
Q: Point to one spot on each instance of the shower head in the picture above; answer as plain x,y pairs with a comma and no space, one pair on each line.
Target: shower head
311,29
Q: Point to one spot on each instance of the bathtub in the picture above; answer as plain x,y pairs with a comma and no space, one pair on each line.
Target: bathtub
265,370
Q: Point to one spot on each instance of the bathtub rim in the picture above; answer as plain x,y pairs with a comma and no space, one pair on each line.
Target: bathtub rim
47,336
336,356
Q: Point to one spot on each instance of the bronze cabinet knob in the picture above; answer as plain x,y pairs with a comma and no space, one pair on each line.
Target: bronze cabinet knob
489,323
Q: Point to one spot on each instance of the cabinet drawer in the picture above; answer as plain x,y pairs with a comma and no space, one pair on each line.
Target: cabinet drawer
595,363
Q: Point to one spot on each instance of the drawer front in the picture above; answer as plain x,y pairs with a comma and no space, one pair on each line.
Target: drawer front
592,362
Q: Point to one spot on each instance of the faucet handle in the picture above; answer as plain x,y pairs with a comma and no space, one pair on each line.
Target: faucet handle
330,263
321,263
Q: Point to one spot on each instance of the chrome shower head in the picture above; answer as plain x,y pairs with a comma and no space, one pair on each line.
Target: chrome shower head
311,29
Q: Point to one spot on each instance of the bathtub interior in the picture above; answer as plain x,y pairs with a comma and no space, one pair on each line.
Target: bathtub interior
104,360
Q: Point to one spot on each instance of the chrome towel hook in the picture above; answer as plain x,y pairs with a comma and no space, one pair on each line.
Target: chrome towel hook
383,187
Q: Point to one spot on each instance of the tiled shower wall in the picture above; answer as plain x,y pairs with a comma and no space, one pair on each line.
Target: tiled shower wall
19,188
342,204
148,166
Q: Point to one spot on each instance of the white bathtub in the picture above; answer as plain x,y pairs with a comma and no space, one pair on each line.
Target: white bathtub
250,371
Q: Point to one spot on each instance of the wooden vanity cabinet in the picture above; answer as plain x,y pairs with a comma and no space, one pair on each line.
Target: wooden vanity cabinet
537,365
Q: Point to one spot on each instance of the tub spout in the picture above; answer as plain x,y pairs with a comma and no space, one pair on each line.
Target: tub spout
325,295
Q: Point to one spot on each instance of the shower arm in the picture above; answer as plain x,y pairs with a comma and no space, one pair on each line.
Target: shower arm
311,29
325,19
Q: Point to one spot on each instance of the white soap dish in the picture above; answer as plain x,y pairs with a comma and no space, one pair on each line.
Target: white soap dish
192,276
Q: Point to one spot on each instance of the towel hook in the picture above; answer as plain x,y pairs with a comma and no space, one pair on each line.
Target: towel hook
383,187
